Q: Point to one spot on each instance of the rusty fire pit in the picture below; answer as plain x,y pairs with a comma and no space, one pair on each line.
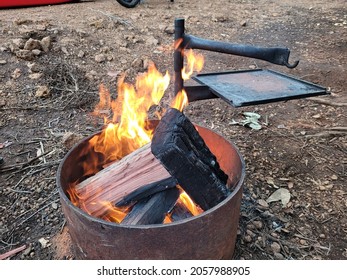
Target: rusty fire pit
210,235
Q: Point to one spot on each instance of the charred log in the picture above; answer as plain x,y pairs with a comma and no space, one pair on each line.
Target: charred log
147,190
180,212
152,210
184,154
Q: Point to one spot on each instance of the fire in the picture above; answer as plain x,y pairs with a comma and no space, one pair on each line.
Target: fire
126,129
195,62
189,203
180,101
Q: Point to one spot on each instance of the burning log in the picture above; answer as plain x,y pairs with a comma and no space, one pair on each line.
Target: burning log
147,190
152,210
120,178
180,148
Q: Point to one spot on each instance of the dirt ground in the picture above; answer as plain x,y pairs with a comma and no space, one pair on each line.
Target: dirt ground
49,90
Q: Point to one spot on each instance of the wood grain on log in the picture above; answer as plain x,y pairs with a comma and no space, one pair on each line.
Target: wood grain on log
119,179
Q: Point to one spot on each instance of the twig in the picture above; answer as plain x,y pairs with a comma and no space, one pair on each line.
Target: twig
12,252
327,134
42,151
341,128
33,214
327,102
7,168
113,17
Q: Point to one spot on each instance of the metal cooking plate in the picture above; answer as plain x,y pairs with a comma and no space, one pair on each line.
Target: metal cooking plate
250,87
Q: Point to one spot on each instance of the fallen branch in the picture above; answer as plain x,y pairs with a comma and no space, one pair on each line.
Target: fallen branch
12,252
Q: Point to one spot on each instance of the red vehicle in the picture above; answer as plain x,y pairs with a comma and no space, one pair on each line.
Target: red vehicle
23,3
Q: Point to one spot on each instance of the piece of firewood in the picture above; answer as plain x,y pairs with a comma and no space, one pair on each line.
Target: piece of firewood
119,179
183,152
147,190
152,210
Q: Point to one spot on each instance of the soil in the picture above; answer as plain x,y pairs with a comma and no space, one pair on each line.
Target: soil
48,94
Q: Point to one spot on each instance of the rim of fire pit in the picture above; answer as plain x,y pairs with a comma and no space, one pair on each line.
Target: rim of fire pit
63,195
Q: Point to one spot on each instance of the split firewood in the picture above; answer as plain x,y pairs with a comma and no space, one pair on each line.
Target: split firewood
152,210
119,179
147,190
183,152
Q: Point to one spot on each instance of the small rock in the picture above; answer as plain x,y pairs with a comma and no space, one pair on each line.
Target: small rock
70,139
81,54
243,23
20,21
2,62
24,54
19,42
317,116
35,76
27,250
322,236
42,91
41,27
275,247
45,43
278,256
100,58
220,19
36,52
137,63
16,73
263,203
64,50
146,62
32,44
334,177
44,242
169,30
258,224
303,242
54,206
151,41
247,238
27,33
33,67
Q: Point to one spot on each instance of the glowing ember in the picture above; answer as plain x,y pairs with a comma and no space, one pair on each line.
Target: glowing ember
126,130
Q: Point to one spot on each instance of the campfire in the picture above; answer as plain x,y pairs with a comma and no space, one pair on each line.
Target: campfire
138,175
158,182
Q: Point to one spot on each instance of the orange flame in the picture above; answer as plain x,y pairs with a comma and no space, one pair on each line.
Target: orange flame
195,62
180,101
189,203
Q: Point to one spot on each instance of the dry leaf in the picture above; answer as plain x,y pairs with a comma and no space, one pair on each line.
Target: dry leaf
280,194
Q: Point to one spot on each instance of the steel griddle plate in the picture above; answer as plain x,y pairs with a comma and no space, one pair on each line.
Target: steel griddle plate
258,86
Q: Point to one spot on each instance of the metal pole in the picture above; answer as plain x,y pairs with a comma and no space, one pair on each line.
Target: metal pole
178,56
